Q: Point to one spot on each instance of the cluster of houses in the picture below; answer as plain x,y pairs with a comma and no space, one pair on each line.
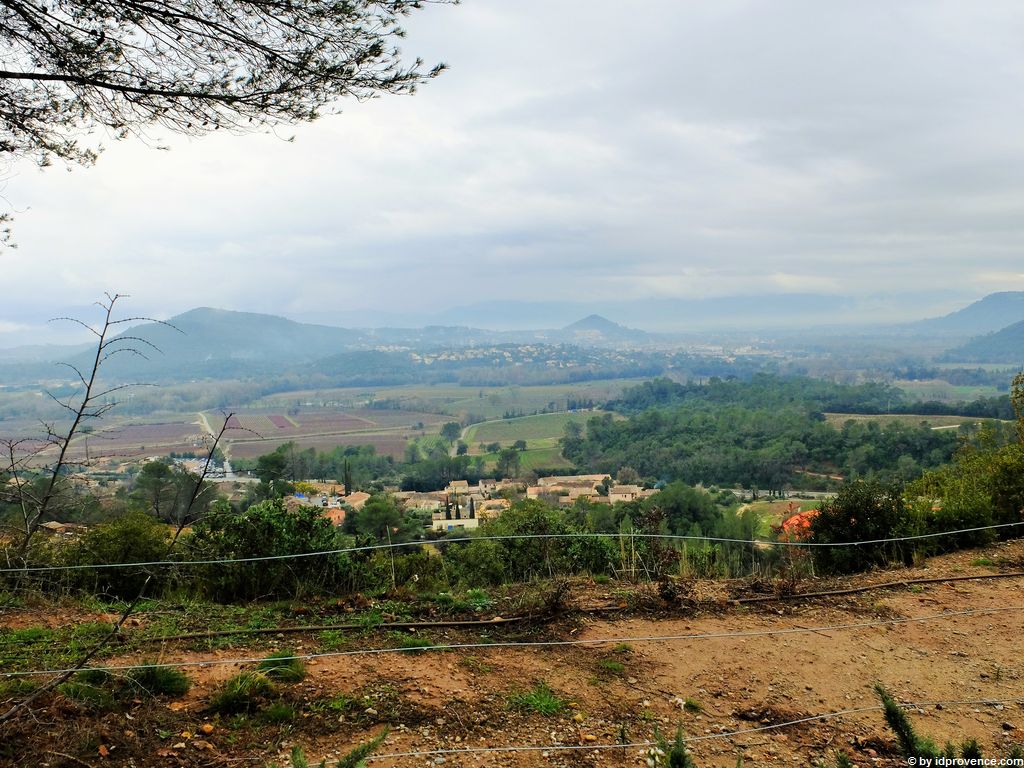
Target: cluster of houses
593,488
464,506
461,505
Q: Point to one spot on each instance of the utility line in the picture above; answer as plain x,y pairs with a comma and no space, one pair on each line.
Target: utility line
508,537
689,740
533,644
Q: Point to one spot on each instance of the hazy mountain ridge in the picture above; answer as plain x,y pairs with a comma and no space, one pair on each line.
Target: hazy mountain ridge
207,343
987,315
1003,346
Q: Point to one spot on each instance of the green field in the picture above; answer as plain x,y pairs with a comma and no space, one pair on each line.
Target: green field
532,459
545,426
456,401
838,419
944,392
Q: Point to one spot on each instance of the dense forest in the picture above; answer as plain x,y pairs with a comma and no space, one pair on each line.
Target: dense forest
768,433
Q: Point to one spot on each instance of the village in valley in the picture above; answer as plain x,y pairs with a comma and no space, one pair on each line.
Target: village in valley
460,506
489,384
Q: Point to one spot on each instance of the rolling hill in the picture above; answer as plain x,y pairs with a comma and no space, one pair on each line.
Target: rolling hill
987,315
1003,346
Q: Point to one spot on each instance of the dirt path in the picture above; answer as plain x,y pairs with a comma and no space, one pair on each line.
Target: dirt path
459,699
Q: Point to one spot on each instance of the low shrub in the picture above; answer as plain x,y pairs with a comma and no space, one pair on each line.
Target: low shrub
242,693
283,666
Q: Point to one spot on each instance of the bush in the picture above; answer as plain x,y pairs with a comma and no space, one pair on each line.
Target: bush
674,755
135,537
99,689
863,511
267,529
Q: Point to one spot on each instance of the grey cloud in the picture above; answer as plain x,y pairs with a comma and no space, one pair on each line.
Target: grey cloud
637,149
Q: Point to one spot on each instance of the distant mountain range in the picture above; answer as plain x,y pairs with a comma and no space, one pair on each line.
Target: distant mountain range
992,313
215,343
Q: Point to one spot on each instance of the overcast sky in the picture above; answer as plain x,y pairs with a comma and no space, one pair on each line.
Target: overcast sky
594,150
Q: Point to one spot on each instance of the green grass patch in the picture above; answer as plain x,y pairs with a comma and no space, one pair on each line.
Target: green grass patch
284,667
982,561
277,713
332,639
242,693
539,427
339,703
533,458
159,681
16,687
692,706
89,695
945,392
475,664
411,642
611,667
478,599
539,699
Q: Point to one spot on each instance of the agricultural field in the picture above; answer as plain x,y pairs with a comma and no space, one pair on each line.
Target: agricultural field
507,431
131,440
544,457
253,433
944,392
838,419
386,443
452,400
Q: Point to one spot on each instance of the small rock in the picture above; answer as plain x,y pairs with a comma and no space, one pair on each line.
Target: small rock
1009,727
370,711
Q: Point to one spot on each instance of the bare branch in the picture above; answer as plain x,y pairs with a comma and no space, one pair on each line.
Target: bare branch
131,606
192,67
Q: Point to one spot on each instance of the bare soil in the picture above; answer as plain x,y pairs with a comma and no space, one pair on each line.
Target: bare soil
715,687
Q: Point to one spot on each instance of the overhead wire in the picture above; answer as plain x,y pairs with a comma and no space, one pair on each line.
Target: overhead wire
528,644
506,537
689,739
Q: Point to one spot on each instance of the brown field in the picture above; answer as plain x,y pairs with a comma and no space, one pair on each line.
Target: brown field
135,440
258,433
386,443
395,418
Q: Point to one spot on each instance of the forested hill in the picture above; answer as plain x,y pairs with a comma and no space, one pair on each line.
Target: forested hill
1005,346
767,448
768,432
765,390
